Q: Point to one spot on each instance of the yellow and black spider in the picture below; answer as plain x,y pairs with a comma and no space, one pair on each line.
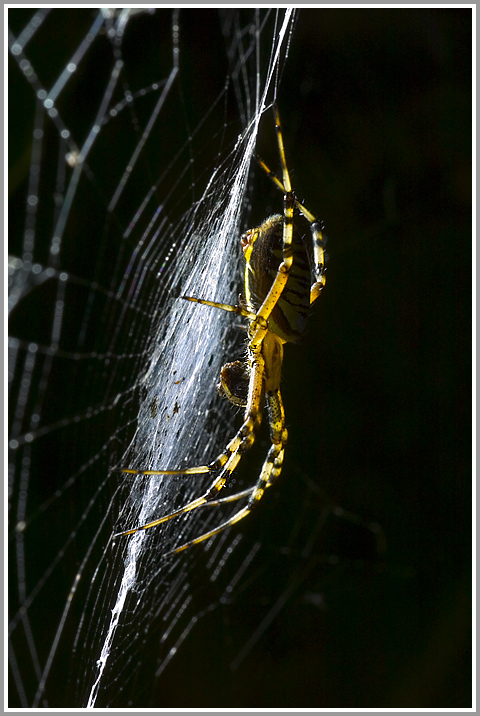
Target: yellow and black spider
283,277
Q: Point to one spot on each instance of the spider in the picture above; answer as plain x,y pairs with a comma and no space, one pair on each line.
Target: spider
279,268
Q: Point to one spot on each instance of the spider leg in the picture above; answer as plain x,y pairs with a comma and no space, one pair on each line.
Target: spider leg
271,469
278,434
318,259
235,518
240,310
258,328
318,239
302,209
230,498
227,461
315,225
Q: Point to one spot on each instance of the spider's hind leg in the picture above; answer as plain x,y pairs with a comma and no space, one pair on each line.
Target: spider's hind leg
271,469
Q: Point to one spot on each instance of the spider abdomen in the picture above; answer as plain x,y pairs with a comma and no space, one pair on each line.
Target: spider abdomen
263,254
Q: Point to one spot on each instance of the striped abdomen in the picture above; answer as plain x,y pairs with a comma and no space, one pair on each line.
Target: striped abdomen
263,253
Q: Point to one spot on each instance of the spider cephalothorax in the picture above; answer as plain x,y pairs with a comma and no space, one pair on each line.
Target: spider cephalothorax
284,275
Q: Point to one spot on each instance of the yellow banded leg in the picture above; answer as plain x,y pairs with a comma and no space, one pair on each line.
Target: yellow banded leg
240,310
286,177
278,431
315,225
236,518
318,260
289,202
258,331
272,467
230,498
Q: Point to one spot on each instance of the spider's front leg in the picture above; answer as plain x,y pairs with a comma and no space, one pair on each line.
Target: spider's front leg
290,201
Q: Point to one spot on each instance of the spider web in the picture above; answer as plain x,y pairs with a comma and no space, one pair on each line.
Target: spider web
129,188
131,137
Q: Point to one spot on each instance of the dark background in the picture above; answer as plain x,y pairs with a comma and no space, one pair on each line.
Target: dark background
376,111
